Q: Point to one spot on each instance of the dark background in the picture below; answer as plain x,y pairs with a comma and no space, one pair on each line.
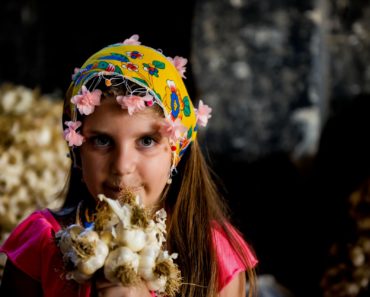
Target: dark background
42,42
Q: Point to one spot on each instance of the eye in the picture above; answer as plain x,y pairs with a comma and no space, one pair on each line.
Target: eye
147,141
101,141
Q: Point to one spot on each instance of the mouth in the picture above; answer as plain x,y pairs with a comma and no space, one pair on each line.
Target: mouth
114,190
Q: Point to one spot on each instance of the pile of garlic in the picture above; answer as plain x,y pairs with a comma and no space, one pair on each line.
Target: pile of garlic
33,153
348,274
125,243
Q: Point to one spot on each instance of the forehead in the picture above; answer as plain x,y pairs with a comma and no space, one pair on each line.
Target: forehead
109,112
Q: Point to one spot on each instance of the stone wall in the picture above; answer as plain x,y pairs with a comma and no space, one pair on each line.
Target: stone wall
273,69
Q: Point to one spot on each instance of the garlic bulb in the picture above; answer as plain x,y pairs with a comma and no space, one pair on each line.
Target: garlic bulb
95,262
84,249
121,266
134,239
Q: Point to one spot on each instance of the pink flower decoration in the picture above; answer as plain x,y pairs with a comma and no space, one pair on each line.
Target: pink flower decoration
134,103
70,134
75,72
133,40
203,113
179,63
87,101
174,130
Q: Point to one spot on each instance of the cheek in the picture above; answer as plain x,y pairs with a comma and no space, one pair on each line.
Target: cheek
158,172
91,172
164,163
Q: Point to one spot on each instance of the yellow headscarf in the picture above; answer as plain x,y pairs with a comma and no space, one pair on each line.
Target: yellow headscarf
151,70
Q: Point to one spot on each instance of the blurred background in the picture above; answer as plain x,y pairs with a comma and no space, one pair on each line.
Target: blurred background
289,84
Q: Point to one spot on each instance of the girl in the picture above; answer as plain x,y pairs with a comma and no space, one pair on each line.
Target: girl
129,121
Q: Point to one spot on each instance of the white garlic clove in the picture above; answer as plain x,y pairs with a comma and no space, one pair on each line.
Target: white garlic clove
120,259
134,239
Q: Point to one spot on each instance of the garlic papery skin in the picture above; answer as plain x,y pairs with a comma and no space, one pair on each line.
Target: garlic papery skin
105,219
94,262
78,276
153,236
134,239
107,236
158,285
83,248
123,212
121,266
148,256
64,238
160,225
150,251
167,268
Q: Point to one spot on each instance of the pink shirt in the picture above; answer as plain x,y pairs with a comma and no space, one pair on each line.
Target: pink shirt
229,262
31,248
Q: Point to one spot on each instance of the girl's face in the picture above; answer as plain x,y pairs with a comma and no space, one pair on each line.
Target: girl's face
125,151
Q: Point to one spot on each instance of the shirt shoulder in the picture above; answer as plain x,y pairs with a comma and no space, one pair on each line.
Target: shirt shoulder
230,261
31,247
29,240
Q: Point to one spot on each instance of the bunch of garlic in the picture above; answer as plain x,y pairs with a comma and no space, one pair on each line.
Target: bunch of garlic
126,243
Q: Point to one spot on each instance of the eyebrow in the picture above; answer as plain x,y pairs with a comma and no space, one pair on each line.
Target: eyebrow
152,131
156,134
94,132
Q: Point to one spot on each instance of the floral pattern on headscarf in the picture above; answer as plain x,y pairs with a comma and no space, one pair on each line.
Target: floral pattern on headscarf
159,75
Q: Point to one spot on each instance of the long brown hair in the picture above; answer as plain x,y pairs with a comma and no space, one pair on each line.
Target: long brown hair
194,203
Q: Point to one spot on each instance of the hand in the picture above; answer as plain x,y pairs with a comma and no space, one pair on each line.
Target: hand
107,289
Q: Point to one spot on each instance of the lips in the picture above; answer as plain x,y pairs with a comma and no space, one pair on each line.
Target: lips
114,190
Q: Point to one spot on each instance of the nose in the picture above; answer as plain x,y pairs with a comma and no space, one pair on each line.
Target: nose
124,160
